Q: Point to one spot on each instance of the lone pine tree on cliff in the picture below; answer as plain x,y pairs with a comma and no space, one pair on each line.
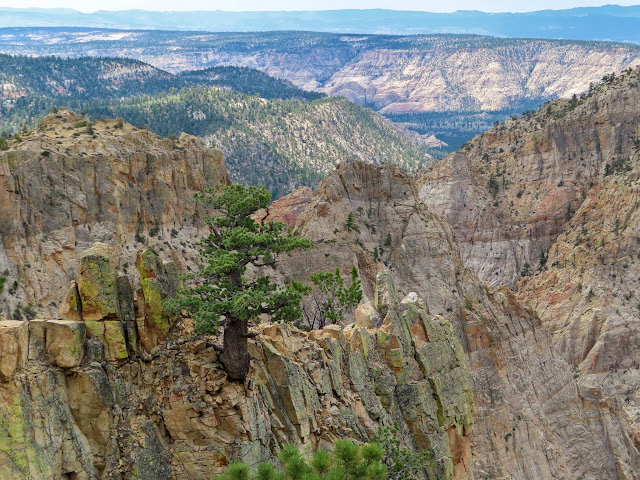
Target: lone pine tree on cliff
220,295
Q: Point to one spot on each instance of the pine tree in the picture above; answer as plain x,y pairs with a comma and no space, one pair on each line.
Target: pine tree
220,295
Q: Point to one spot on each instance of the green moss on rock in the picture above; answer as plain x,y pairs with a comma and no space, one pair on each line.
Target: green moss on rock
158,280
97,283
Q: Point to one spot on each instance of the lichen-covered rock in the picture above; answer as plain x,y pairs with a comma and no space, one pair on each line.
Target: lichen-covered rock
39,439
366,315
112,335
122,187
97,283
127,311
158,280
65,342
14,347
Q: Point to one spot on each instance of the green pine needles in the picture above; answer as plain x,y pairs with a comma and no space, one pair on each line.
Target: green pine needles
348,461
220,295
383,459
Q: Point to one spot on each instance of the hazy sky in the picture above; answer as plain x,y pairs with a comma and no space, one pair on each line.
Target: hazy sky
238,5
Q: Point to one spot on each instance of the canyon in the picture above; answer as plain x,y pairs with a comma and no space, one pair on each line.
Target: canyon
501,370
393,74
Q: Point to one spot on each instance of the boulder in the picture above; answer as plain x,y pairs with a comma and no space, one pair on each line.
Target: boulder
14,347
71,307
366,315
64,341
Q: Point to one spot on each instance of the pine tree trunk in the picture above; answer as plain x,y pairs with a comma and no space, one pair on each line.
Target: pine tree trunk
235,356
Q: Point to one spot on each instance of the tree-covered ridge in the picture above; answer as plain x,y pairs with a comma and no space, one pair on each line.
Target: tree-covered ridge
282,144
79,78
273,133
248,81
90,78
79,41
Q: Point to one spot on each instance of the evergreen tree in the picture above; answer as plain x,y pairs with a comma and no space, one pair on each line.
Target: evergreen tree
220,295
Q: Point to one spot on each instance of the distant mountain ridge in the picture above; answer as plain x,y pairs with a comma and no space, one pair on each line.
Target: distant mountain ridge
609,22
447,85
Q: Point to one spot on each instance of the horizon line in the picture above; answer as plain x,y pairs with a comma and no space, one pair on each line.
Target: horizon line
322,10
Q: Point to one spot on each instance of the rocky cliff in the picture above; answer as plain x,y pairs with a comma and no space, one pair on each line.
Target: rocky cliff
530,419
552,197
510,191
496,384
81,398
102,382
66,186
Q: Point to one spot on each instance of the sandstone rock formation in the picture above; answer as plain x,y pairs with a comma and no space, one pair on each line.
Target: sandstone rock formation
511,190
396,74
64,189
541,384
557,191
70,412
530,420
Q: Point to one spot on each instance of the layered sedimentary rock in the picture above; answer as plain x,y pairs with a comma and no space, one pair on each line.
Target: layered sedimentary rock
395,74
552,197
68,185
530,421
511,190
119,388
587,298
490,78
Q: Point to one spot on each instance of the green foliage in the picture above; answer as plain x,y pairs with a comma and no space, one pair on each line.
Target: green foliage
619,165
262,140
402,464
3,281
493,185
236,241
468,304
350,224
526,270
348,461
388,241
248,81
543,260
235,471
329,299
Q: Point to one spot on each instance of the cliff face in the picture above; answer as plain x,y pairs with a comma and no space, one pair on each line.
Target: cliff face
116,387
587,299
510,192
553,198
434,80
81,399
530,420
496,384
63,189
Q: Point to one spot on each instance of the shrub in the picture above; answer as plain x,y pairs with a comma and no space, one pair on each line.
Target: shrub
329,299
